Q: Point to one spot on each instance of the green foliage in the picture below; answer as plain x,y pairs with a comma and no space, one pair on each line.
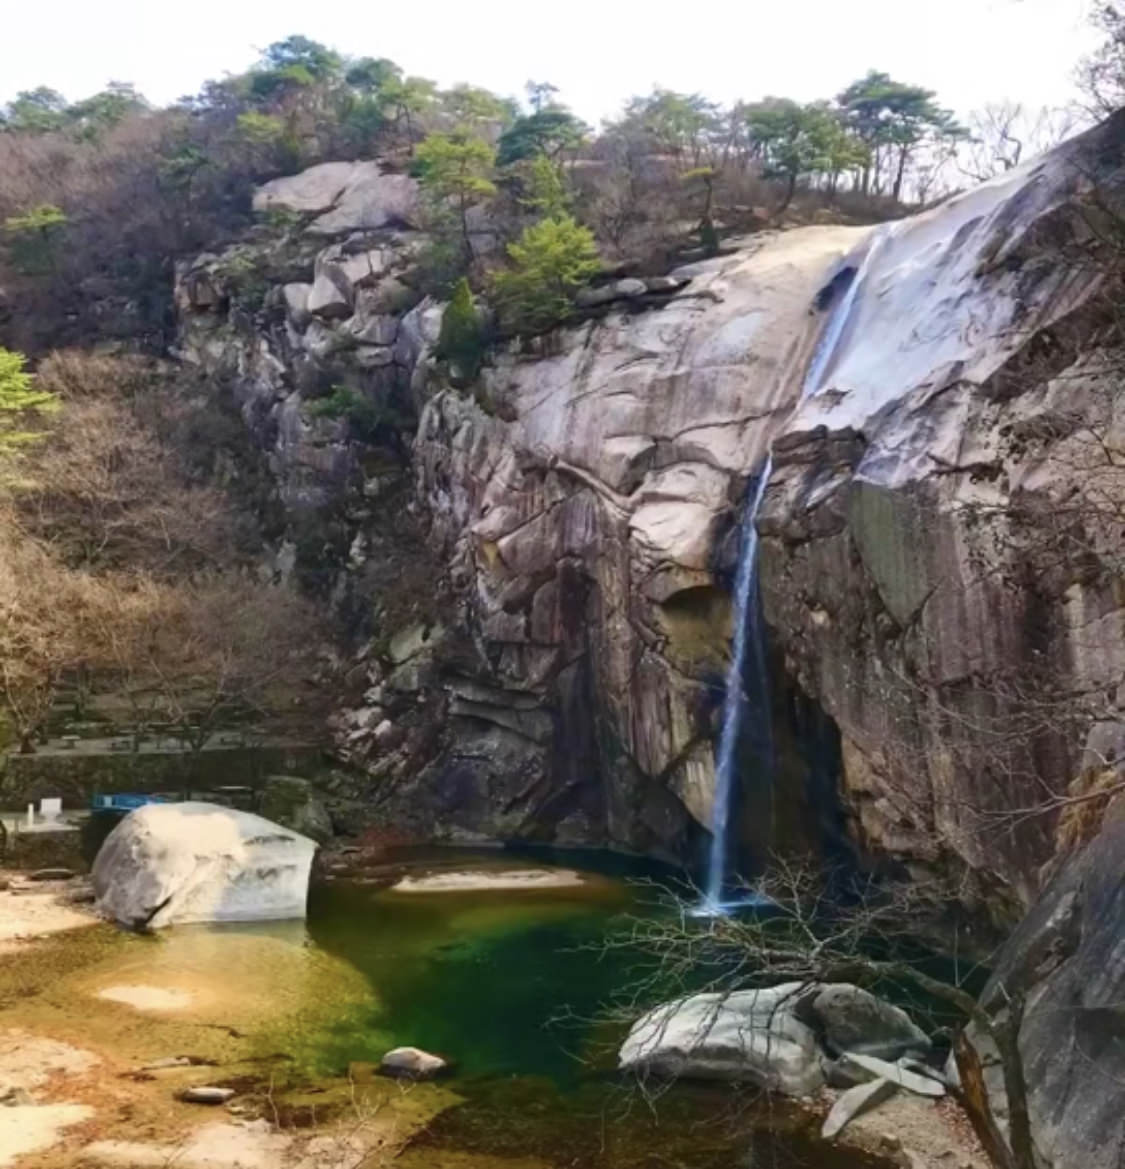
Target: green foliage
795,139
315,60
543,189
891,119
32,238
471,107
104,110
245,277
35,111
551,260
461,340
709,237
368,420
454,171
548,131
260,129
455,166
372,74
18,400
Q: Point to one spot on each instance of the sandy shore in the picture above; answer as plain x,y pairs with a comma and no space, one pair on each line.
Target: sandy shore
482,880
29,910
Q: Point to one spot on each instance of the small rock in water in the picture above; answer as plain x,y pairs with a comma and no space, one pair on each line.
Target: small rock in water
206,1094
412,1063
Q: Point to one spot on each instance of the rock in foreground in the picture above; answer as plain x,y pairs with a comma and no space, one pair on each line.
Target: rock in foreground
167,864
411,1063
749,1036
782,1038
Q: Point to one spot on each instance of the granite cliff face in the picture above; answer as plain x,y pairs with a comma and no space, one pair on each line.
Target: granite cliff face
582,499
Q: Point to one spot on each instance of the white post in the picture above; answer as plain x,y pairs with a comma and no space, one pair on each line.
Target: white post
30,815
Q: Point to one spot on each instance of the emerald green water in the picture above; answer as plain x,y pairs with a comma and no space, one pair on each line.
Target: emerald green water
478,978
507,985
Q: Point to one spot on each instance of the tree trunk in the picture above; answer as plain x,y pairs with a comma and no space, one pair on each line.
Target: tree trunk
791,190
900,173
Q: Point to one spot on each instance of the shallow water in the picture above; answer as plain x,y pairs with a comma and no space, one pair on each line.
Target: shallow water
507,985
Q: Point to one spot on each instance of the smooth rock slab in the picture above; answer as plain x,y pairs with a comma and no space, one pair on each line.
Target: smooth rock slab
855,1101
896,1073
171,863
749,1036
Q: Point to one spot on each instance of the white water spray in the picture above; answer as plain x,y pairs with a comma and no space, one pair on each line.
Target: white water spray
748,651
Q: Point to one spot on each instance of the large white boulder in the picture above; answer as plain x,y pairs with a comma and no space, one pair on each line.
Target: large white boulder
750,1036
167,864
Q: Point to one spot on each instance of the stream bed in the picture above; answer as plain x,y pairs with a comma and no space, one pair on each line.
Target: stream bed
511,986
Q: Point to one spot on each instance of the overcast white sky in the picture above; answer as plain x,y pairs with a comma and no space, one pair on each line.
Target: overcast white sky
597,51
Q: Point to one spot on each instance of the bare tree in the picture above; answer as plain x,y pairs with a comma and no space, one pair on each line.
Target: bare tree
811,929
1003,134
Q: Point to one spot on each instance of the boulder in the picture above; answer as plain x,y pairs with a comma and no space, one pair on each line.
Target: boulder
412,1063
313,191
167,864
748,1036
852,1019
297,303
329,297
292,802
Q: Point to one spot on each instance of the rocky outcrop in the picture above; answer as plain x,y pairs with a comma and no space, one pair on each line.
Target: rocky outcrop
167,864
915,569
1066,960
584,497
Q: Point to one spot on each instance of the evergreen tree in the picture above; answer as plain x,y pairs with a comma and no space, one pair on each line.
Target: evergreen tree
461,340
455,170
551,260
19,399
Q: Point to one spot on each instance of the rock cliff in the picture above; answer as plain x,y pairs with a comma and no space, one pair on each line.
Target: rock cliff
583,500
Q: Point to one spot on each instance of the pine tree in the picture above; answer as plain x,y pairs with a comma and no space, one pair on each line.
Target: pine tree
551,260
461,340
18,400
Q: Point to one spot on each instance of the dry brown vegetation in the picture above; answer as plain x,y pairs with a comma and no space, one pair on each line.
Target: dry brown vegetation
125,569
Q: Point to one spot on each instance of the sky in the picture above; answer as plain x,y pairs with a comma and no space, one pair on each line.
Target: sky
598,52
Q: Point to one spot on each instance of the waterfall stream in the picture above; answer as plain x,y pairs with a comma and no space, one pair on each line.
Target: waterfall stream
747,682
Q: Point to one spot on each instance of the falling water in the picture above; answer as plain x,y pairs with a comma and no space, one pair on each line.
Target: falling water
747,671
748,651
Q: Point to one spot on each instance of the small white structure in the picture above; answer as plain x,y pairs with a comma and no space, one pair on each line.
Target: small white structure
167,864
50,808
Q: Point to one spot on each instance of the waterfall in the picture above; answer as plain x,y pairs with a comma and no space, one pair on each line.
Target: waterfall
748,651
747,670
